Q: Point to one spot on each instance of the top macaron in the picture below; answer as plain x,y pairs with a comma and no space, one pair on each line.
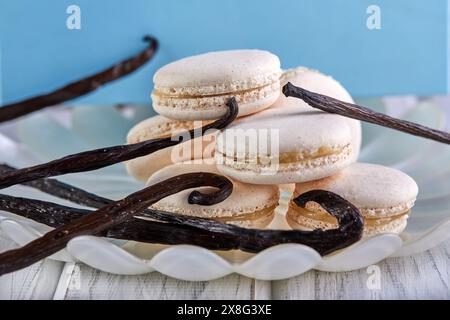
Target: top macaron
198,87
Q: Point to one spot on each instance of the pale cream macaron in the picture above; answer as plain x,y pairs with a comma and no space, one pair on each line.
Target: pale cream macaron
201,148
247,206
198,87
284,144
384,196
316,81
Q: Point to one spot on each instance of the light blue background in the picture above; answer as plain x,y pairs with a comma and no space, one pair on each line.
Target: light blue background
408,55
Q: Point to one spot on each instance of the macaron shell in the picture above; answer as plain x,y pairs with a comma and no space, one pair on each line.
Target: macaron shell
143,167
395,226
244,198
155,127
294,173
219,72
294,128
377,190
318,82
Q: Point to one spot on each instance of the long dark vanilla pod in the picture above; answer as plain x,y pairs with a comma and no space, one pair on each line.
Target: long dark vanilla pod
106,222
114,214
51,214
80,87
100,158
82,197
232,237
354,111
61,190
55,215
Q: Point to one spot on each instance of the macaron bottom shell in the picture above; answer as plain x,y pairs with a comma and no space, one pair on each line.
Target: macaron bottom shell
258,219
214,107
286,172
201,148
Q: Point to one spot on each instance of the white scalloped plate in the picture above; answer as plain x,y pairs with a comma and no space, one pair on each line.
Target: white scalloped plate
74,130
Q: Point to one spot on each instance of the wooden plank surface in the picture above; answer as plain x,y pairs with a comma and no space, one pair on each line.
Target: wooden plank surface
425,275
422,276
87,283
38,281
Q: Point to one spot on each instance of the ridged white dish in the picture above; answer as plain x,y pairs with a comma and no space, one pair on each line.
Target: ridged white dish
48,135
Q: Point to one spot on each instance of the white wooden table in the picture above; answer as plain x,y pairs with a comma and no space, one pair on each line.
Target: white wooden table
425,275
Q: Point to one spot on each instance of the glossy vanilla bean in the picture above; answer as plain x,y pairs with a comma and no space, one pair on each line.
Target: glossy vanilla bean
114,214
79,196
100,158
354,111
81,87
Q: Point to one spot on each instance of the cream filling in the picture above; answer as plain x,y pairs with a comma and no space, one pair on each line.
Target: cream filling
257,81
162,95
214,100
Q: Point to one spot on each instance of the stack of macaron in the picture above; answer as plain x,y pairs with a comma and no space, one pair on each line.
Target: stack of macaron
275,141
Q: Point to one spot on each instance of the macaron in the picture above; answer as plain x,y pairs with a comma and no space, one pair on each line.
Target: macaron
316,81
198,87
247,206
201,148
287,143
384,196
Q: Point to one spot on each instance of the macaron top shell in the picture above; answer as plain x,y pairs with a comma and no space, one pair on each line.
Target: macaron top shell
245,198
377,190
218,72
294,127
315,81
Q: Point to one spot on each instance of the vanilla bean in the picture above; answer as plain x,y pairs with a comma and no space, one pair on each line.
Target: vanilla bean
114,214
81,87
100,158
55,215
354,111
114,217
51,214
79,196
61,190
